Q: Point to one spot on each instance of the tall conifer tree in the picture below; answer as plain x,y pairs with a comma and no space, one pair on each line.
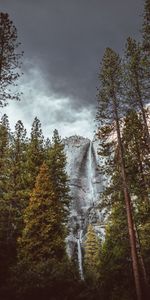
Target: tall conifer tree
43,235
10,59
35,152
6,229
57,168
18,185
115,271
92,252
110,110
146,29
136,82
136,155
4,152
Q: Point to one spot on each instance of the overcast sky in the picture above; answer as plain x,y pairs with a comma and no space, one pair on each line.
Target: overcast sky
64,41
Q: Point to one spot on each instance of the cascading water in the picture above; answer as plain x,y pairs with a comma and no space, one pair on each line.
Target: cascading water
87,165
91,175
80,254
85,184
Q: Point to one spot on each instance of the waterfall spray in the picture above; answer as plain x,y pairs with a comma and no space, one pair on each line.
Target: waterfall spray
80,254
91,175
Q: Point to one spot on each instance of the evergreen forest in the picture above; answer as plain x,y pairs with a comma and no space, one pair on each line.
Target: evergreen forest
35,196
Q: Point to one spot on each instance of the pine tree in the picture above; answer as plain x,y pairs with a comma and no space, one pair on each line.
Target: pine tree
18,184
146,47
42,258
136,155
47,146
35,152
9,59
13,174
136,83
57,168
6,245
43,236
14,182
92,251
146,28
4,168
110,110
138,166
115,269
4,152
136,162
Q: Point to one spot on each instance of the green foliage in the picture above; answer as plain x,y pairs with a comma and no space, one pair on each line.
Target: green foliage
40,222
9,60
146,28
18,192
56,161
115,267
42,247
136,80
110,84
41,219
138,170
136,155
115,276
49,279
6,245
109,110
4,153
124,150
92,252
35,152
34,187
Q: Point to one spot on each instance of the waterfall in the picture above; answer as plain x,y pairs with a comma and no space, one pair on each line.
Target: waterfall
80,254
85,185
90,174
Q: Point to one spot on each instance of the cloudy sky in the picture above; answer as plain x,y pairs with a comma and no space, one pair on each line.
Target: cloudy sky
64,41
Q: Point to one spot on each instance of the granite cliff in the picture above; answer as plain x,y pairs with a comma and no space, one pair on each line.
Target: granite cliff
86,184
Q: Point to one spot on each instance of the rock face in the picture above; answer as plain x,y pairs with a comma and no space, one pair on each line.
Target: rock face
85,185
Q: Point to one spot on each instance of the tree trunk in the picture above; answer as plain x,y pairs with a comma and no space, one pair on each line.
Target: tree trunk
146,287
132,236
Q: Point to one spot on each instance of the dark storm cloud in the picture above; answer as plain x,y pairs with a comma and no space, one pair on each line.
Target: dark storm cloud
66,39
